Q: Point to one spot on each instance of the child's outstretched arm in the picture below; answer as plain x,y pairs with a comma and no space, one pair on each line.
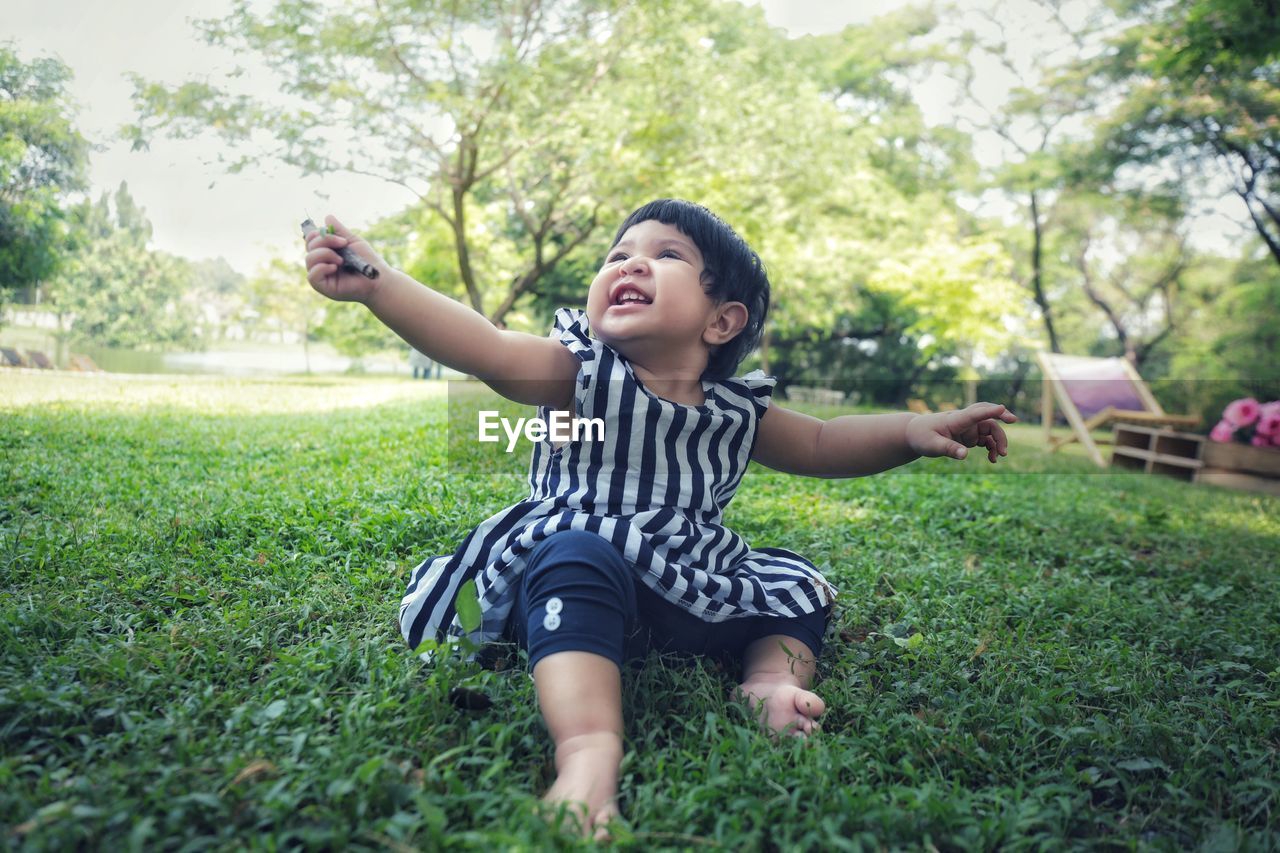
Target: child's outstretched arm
522,367
856,445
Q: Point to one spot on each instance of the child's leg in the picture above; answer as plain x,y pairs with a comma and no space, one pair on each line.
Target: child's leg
580,695
572,613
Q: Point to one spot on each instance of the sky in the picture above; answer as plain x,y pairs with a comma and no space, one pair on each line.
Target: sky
197,210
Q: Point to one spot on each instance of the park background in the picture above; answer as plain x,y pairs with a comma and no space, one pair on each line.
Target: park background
198,572
938,192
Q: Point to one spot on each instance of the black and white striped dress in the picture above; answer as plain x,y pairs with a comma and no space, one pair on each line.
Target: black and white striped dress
655,487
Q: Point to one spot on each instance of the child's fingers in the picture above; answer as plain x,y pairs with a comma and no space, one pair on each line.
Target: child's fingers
962,420
940,445
320,240
318,274
979,412
338,227
322,263
991,437
1002,440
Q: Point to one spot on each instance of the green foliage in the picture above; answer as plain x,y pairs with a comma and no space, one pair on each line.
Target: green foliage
1227,353
1201,84
958,293
534,148
470,103
115,291
353,331
870,72
199,648
529,129
43,159
279,296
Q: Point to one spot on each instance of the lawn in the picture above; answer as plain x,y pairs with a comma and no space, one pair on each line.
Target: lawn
199,580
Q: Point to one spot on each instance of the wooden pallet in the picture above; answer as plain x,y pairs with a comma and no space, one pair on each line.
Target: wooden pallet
1191,457
1157,451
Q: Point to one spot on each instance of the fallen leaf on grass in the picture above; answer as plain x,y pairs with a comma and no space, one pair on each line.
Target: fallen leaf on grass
253,770
46,814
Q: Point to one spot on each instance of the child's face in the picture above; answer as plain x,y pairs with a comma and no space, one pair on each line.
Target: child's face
647,300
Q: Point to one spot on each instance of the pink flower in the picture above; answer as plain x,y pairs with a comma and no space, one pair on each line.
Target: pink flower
1269,421
1222,432
1242,413
1260,441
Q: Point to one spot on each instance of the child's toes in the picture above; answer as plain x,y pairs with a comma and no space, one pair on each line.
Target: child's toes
809,705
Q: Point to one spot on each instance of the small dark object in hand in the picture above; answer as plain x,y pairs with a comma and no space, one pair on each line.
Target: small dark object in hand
350,260
469,699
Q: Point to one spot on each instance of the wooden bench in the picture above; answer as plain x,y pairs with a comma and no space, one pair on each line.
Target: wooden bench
84,364
39,359
822,396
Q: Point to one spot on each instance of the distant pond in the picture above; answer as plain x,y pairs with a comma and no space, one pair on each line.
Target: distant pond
265,362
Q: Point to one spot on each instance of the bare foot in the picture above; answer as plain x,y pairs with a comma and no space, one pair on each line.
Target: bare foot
587,781
783,706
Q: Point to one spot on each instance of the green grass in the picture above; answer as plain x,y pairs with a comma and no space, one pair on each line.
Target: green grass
198,588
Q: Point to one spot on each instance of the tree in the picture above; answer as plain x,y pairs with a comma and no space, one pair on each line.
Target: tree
1038,121
467,105
1227,351
1202,104
43,160
1131,264
871,73
527,124
117,292
216,296
355,333
523,126
874,179
279,294
959,293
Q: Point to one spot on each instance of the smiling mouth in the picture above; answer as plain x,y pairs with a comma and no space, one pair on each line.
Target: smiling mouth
630,296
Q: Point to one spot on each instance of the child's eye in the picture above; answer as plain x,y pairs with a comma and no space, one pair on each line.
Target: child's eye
616,256
671,253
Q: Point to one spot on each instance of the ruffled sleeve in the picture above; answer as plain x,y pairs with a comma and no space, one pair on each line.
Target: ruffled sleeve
570,329
760,388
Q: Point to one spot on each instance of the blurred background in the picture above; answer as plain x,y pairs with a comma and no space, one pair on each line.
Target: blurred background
939,192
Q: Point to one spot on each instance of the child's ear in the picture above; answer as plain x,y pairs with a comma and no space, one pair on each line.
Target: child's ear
730,318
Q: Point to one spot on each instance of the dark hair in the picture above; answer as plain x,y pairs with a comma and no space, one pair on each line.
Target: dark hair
732,272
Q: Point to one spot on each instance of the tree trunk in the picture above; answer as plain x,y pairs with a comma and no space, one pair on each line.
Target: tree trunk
1113,317
1037,274
464,253
1273,245
306,348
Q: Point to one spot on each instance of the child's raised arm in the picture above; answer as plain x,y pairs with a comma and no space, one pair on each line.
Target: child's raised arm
856,445
522,367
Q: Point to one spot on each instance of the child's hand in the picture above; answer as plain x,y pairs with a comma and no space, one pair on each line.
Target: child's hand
952,433
325,270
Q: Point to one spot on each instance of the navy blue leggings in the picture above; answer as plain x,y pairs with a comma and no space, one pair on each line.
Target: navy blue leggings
577,593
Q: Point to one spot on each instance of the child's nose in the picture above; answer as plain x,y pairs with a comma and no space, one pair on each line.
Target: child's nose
634,266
